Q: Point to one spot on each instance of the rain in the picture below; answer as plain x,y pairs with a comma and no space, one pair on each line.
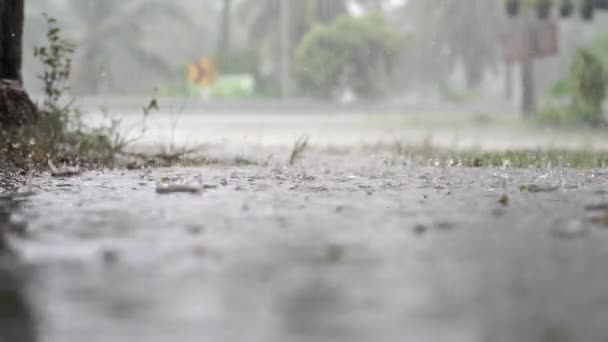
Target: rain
303,170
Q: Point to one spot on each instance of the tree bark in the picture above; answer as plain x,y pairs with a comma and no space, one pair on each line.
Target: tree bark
16,108
11,33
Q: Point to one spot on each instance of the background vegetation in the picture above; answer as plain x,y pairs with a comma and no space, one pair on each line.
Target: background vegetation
376,49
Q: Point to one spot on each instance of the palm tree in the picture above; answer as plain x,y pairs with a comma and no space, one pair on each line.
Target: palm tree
456,32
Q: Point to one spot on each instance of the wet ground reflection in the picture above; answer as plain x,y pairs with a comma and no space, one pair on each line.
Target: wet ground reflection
116,262
17,323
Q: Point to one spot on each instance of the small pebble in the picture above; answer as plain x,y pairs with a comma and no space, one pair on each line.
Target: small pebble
164,189
420,229
504,200
195,229
109,257
444,225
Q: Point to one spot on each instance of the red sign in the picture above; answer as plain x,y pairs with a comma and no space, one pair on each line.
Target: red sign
544,43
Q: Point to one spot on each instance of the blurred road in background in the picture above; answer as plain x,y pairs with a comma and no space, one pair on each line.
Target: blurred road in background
255,124
344,245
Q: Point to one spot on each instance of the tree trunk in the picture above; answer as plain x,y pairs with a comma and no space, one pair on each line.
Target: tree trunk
285,48
11,33
473,73
223,45
508,81
528,102
16,108
528,83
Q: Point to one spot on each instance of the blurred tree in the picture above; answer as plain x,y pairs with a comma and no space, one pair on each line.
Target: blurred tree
351,53
111,25
456,32
225,38
588,86
262,20
599,47
585,90
237,59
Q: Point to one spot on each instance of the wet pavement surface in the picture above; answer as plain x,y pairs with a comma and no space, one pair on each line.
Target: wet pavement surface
16,317
336,249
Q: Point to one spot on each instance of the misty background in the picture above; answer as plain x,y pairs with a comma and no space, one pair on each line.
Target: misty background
310,170
415,51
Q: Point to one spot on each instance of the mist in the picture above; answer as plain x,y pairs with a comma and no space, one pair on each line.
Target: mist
303,170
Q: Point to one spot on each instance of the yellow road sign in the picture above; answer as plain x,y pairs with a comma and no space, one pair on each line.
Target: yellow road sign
202,72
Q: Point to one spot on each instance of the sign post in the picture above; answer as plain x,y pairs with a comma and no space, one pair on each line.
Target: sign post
544,43
202,74
522,46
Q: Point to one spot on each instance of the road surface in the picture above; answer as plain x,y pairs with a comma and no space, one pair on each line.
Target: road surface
346,245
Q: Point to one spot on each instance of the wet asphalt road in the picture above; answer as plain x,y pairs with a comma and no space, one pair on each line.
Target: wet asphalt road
339,248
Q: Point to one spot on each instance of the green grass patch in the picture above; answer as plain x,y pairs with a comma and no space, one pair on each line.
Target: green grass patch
518,159
59,135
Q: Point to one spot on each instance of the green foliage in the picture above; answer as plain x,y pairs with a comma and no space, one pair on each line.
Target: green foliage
599,47
234,86
560,89
453,95
299,146
261,19
586,90
349,52
180,86
239,62
558,116
60,135
588,84
56,59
